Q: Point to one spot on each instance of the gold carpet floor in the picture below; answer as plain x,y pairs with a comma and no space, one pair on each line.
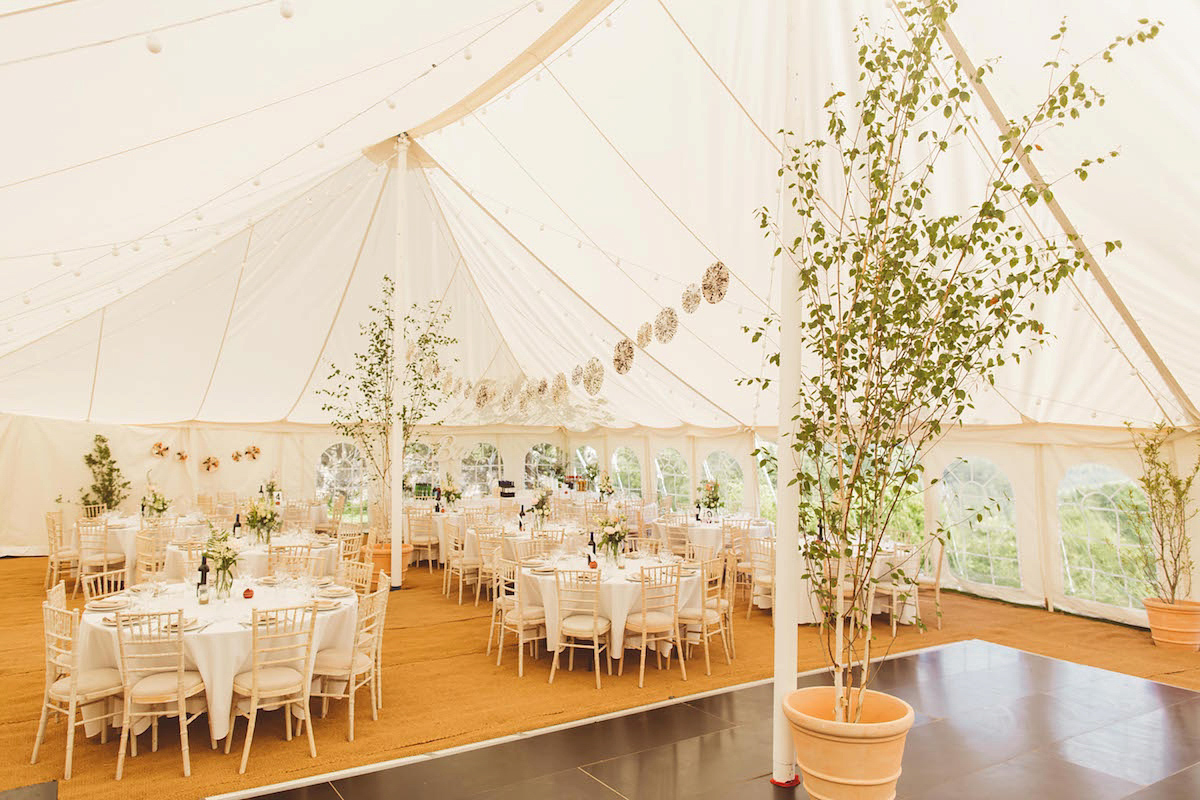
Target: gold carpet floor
441,690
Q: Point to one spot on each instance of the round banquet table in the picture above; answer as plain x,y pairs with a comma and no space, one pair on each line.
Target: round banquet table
123,531
618,597
220,647
710,534
252,556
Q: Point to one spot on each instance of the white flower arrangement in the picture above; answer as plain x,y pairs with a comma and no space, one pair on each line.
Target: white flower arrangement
451,491
541,506
154,504
262,519
604,485
613,531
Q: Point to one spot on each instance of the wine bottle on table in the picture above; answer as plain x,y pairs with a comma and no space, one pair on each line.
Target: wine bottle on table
202,586
521,518
237,524
697,512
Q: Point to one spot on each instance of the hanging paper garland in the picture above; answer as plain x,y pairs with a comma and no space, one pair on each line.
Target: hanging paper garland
524,402
577,375
559,390
484,394
510,395
715,282
691,298
665,325
645,333
447,384
593,376
623,356
466,388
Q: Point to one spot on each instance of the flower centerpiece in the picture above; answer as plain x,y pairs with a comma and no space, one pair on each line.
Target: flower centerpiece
221,557
613,531
451,491
154,503
541,506
708,495
262,519
604,485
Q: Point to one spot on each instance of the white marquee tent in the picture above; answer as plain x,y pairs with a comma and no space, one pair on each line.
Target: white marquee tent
191,236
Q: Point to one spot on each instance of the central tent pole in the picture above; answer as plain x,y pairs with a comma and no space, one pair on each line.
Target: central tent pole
399,304
788,587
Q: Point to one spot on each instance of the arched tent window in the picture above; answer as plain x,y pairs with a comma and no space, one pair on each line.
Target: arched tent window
627,472
722,467
1099,535
420,471
979,513
482,466
767,460
585,462
341,470
671,475
544,464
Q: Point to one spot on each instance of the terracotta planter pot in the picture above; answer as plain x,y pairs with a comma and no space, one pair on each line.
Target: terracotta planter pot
1174,624
381,559
848,760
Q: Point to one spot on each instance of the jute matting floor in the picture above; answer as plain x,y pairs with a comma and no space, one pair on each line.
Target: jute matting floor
440,690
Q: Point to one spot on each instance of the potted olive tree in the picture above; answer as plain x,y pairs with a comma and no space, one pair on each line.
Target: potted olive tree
1164,554
907,311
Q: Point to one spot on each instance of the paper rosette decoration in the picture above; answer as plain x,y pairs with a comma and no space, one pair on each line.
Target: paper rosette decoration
509,396
252,452
447,386
577,375
623,356
210,464
691,298
181,455
593,376
665,325
542,389
524,402
160,450
237,455
466,388
715,282
485,393
559,390
645,333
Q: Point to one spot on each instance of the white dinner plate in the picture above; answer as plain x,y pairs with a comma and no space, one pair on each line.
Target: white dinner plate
327,605
336,591
108,604
543,570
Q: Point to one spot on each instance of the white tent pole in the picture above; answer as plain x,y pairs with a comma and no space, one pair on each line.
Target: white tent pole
399,304
1060,216
787,535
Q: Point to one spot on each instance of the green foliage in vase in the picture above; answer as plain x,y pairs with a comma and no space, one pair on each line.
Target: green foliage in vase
1164,556
368,397
907,312
109,487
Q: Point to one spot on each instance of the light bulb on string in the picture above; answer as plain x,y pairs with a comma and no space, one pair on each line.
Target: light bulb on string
116,251
154,44
77,272
570,52
25,299
199,216
537,76
286,9
390,103
136,246
257,181
540,6
467,54
608,22
57,260
579,245
166,241
320,144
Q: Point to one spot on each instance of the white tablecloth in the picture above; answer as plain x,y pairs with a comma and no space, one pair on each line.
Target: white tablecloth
710,534
220,650
252,561
619,597
123,531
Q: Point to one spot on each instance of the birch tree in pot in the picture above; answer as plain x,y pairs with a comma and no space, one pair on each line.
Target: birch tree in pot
911,302
380,395
1164,555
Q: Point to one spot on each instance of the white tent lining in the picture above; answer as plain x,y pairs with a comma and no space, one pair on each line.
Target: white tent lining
237,287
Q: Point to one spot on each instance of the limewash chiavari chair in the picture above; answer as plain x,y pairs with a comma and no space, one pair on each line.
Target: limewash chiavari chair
151,561
677,538
94,552
724,604
535,548
356,575
709,617
97,585
457,562
762,572
421,534
335,516
658,619
356,666
280,675
206,505
643,545
734,532
69,689
525,621
288,559
580,625
350,543
157,683
61,558
490,546
697,553
190,554
557,535
94,510
56,595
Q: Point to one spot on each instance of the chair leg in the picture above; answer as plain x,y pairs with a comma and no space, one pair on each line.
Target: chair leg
350,710
232,720
374,707
553,667
308,729
124,737
500,649
521,653
70,739
41,734
707,664
287,724
249,736
642,671
183,738
596,658
154,735
729,623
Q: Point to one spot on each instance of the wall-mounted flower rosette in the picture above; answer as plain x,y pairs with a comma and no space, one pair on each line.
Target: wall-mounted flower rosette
159,450
210,464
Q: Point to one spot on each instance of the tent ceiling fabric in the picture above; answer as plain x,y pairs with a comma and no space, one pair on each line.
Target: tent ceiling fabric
251,231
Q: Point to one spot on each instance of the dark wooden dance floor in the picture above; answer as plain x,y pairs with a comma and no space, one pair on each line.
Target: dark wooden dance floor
992,722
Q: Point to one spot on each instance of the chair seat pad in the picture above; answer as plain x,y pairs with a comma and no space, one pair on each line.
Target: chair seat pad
96,559
529,615
65,554
764,577
504,602
91,682
745,566
581,625
424,541
337,662
164,684
464,562
719,603
649,621
711,616
271,681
